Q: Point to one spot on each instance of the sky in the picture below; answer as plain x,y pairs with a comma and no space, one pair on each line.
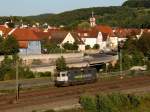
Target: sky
35,7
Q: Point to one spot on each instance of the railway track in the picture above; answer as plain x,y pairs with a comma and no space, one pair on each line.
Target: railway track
54,94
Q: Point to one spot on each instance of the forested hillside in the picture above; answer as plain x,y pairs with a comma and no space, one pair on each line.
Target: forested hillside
137,3
126,15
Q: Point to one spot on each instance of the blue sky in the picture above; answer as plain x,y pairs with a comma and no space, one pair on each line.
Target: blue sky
34,7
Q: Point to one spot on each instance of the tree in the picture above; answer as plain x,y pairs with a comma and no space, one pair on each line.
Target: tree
84,26
137,3
8,68
10,46
61,64
1,45
144,44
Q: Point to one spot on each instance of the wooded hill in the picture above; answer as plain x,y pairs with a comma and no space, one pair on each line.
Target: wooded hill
122,16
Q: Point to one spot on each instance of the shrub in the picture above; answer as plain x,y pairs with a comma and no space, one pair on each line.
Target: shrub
44,74
70,46
87,47
96,46
88,103
114,102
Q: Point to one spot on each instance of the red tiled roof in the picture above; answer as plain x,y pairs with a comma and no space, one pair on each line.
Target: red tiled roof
123,32
5,30
93,32
46,34
23,44
104,29
42,34
90,33
25,35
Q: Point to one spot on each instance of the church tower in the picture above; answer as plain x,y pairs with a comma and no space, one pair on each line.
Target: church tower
92,20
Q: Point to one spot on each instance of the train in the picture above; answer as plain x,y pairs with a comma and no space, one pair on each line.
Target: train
76,76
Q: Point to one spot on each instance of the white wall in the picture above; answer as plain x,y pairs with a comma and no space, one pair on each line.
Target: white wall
89,41
81,47
112,42
1,33
69,39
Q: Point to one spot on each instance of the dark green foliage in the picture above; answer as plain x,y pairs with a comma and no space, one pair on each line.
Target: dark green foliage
1,45
8,69
84,25
132,54
96,46
88,103
11,25
45,74
137,3
87,47
48,47
113,16
144,44
114,102
69,46
9,46
61,64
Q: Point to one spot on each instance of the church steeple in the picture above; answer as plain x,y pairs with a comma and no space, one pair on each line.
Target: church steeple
92,20
92,14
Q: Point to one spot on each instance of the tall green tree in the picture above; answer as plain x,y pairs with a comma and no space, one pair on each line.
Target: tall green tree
61,64
84,26
144,44
1,45
10,46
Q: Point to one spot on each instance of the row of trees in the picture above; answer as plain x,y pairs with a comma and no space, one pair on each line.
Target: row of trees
8,45
135,52
137,3
115,102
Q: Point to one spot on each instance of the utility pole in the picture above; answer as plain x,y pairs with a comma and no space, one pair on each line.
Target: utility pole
17,82
120,57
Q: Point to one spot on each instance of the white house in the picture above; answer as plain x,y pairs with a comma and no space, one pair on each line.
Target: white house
101,35
61,37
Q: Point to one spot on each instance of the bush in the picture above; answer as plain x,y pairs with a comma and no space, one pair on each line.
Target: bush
87,47
114,102
69,46
44,74
96,46
88,103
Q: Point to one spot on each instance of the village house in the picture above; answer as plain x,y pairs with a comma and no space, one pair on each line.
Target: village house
62,37
29,42
100,34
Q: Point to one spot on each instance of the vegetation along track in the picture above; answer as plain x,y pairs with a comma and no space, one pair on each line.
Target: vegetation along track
54,94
